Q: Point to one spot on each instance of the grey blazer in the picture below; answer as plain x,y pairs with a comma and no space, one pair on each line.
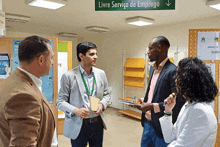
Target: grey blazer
71,97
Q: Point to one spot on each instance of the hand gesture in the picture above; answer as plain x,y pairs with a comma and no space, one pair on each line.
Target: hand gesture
81,112
144,107
170,102
99,109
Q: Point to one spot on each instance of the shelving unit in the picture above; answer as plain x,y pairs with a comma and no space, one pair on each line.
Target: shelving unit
134,75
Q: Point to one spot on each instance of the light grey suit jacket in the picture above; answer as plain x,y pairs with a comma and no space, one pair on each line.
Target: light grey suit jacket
71,97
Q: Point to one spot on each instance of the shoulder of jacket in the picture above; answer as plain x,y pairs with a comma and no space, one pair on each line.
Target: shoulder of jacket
98,69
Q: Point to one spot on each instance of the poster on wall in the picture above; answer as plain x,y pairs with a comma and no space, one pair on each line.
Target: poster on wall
4,65
62,65
47,85
208,45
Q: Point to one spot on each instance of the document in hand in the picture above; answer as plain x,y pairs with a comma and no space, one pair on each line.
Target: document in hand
94,103
129,103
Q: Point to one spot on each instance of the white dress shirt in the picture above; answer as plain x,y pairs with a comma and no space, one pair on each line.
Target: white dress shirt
89,83
36,80
196,126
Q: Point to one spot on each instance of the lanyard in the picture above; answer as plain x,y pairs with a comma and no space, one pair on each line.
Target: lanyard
84,82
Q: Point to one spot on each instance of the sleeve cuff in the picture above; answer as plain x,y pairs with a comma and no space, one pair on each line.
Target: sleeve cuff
156,107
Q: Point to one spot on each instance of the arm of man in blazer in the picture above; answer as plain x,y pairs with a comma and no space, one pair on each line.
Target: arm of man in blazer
144,107
63,100
23,113
106,96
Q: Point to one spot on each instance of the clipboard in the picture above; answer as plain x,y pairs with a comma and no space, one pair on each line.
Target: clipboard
129,103
94,102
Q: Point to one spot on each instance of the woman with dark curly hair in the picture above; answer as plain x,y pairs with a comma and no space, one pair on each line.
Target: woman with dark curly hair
196,125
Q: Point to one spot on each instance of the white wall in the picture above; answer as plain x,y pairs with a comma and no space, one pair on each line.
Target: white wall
112,45
135,43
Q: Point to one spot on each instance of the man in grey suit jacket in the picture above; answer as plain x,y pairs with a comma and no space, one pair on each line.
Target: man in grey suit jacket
82,125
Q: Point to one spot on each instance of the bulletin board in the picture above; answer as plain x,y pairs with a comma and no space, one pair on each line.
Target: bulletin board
192,52
6,46
69,52
64,64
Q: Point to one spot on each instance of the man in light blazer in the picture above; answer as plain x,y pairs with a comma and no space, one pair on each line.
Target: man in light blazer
161,84
81,124
26,118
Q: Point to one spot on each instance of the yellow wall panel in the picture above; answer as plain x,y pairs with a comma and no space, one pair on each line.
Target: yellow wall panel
135,63
138,73
171,60
135,82
134,72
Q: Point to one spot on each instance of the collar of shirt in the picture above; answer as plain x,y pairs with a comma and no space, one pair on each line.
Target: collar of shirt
161,64
187,103
84,72
36,80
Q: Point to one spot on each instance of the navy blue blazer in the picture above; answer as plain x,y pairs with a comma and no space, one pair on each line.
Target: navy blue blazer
165,85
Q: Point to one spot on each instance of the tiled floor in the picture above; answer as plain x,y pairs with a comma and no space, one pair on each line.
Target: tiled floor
123,131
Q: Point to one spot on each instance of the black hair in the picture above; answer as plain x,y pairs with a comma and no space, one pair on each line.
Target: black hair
163,41
31,47
83,47
194,81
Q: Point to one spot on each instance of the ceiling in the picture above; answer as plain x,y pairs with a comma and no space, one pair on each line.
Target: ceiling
79,14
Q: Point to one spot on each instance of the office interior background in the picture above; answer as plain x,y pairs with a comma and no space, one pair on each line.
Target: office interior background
121,40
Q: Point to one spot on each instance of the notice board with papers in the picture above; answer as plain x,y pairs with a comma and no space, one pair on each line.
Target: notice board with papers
205,44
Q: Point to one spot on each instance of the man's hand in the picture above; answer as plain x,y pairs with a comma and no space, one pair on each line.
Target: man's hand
99,109
81,112
144,107
139,101
170,102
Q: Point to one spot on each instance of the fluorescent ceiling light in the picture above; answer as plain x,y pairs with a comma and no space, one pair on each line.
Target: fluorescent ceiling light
97,29
213,4
16,18
48,4
139,21
71,35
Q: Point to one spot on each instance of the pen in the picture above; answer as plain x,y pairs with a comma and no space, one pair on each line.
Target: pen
133,99
164,103
173,94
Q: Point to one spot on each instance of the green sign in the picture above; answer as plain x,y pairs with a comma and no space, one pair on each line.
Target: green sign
134,5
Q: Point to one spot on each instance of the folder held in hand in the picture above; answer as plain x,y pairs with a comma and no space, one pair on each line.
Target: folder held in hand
94,103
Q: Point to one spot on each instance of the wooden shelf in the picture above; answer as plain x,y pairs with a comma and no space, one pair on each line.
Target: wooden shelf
135,63
129,99
134,73
134,82
131,113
